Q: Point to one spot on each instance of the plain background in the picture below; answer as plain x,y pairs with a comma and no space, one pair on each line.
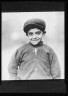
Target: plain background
13,36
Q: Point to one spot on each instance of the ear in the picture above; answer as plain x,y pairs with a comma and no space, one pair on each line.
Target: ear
44,33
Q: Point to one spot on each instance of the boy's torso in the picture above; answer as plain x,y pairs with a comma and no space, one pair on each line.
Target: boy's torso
33,62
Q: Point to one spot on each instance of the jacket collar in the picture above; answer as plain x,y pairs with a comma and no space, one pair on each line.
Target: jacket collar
38,45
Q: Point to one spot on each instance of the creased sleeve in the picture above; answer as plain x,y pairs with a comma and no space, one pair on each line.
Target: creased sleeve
12,67
54,65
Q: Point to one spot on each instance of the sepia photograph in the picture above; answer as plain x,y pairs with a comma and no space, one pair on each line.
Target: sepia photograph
32,45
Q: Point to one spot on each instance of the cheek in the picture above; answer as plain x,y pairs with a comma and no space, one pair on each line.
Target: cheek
37,36
40,36
30,37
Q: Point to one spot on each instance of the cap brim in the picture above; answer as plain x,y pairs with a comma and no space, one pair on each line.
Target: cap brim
31,26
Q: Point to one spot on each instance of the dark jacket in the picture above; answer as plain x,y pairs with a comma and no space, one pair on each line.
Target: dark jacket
34,62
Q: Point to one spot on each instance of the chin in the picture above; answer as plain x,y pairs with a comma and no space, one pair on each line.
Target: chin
35,43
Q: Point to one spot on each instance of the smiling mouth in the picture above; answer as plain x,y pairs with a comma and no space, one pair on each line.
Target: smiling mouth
35,40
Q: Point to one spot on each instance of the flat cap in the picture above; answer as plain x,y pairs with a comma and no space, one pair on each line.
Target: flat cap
34,23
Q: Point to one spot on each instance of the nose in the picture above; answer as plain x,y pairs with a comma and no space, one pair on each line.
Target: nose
34,35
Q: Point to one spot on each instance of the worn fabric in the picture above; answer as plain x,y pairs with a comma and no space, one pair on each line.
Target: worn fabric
34,62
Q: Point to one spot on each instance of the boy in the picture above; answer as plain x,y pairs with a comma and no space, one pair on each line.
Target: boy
34,60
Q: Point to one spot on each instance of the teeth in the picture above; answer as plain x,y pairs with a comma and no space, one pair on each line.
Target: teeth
35,40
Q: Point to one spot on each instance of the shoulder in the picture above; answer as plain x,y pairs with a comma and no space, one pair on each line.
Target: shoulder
47,48
22,48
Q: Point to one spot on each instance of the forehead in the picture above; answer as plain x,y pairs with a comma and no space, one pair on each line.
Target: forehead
34,30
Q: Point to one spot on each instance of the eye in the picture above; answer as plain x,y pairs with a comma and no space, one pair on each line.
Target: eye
30,33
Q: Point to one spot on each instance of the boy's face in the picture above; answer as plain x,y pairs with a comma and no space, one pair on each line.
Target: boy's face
35,36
